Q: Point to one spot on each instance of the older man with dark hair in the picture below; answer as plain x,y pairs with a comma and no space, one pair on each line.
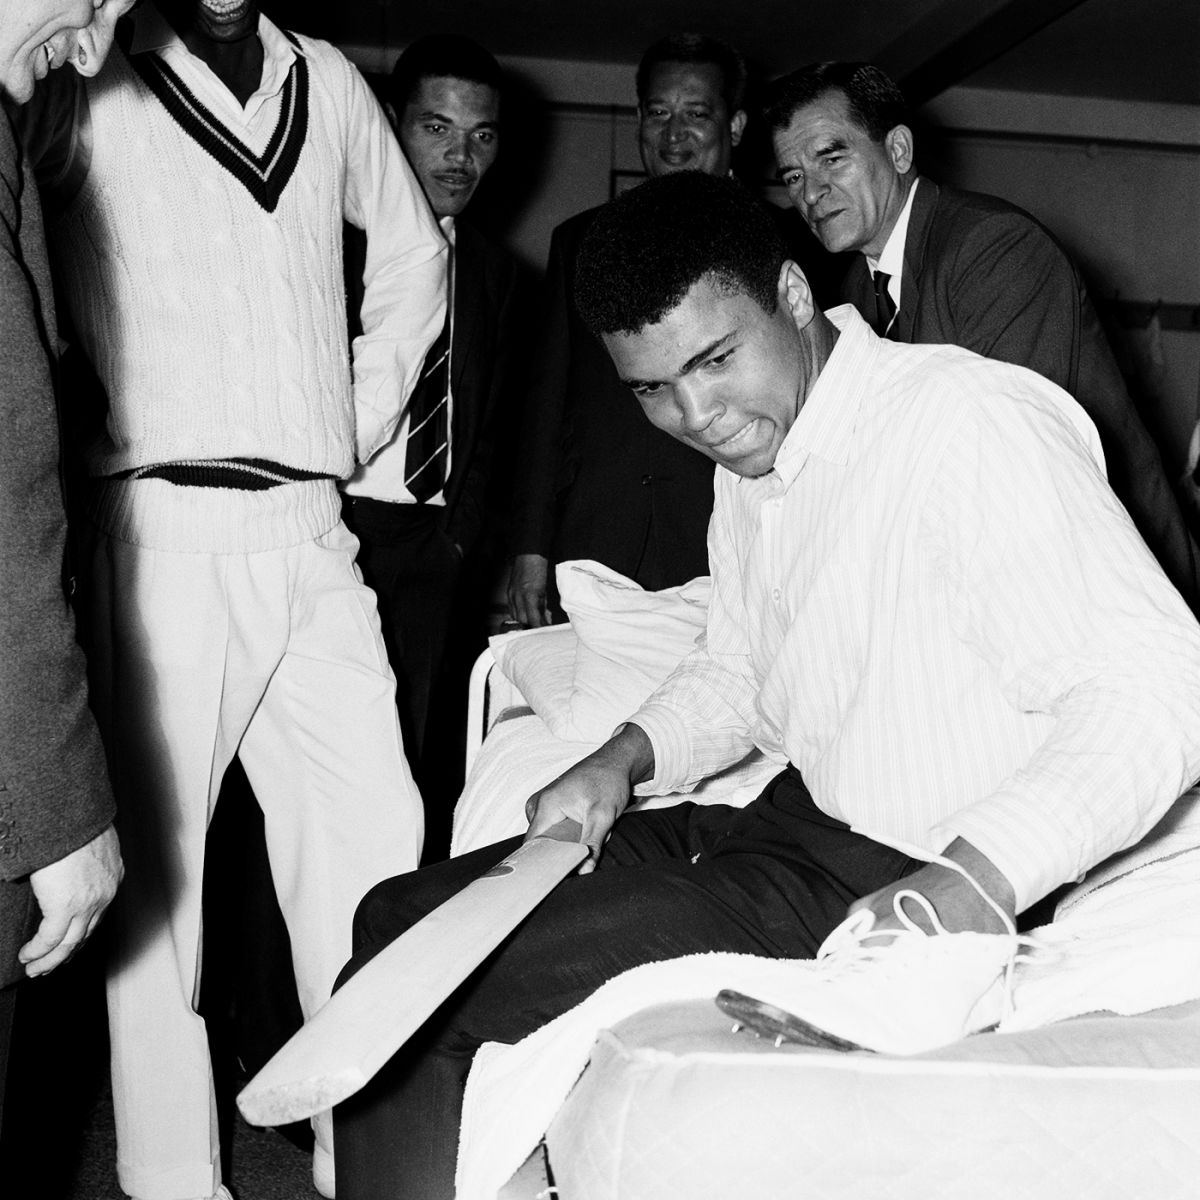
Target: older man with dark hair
940,265
595,480
973,692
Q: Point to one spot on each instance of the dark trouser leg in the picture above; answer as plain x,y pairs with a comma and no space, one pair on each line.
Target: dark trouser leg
413,568
647,901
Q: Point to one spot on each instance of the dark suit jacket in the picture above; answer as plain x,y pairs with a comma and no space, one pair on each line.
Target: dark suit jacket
595,479
482,371
981,273
54,792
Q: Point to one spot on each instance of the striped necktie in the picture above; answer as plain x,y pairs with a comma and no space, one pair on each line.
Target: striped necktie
885,306
428,425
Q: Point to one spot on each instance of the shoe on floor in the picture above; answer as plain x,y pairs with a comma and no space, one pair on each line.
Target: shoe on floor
905,993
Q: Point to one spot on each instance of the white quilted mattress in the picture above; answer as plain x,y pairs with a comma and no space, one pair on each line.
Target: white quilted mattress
675,1106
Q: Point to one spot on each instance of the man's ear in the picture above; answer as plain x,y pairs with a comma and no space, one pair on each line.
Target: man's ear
737,126
390,113
898,143
795,294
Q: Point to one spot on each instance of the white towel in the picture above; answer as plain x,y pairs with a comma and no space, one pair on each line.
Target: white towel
513,1092
1129,945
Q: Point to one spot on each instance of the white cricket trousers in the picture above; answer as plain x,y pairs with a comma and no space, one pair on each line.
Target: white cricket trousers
275,656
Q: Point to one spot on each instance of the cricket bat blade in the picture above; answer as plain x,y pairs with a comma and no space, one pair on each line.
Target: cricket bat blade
341,1047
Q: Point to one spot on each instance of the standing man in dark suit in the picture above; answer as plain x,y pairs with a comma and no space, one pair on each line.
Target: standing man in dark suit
941,265
594,479
418,505
59,859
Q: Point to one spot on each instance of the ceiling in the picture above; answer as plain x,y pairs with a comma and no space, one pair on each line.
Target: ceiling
1134,50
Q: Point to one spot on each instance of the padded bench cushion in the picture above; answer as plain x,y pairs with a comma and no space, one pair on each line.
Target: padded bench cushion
675,1105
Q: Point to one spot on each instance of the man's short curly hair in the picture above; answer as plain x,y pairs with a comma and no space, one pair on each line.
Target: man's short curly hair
646,249
440,56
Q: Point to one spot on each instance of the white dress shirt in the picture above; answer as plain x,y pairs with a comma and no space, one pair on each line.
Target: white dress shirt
936,609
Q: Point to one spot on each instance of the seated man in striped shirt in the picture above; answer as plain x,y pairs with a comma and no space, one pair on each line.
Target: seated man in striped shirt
927,606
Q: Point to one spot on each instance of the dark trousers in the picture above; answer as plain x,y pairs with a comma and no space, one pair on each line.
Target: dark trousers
771,879
413,567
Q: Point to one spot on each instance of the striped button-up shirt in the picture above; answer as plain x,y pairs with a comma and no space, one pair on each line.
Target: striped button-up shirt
935,607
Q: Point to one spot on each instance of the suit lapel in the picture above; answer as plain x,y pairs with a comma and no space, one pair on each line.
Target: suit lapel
467,287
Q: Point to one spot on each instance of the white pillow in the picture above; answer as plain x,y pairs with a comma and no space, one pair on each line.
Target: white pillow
584,679
630,640
540,664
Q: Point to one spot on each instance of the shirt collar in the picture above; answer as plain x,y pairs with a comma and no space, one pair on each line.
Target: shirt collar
892,259
152,32
825,424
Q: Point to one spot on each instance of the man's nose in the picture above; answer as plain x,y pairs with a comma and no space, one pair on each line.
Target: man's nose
677,127
698,407
814,188
458,150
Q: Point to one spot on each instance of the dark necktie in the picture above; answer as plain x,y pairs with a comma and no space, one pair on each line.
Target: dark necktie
428,427
885,307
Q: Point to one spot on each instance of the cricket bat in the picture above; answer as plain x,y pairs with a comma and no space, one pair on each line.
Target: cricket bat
375,1012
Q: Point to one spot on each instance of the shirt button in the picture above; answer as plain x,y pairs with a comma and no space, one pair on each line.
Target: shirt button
776,595
647,480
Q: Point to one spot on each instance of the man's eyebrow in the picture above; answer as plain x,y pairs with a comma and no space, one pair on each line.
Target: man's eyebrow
687,368
833,146
696,359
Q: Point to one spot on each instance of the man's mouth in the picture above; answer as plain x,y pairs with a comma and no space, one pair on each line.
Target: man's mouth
734,442
455,182
227,10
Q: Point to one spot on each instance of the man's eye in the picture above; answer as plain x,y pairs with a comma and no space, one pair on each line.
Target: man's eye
433,127
486,136
792,179
644,391
719,360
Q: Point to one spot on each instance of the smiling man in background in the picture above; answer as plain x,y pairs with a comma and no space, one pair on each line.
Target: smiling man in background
595,480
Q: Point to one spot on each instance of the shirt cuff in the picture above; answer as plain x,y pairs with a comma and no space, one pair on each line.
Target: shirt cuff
672,749
1027,842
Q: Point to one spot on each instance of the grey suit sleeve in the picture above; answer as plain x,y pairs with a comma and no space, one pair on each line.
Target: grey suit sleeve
54,790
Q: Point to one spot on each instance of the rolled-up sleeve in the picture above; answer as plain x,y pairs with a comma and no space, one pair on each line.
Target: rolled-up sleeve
699,721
